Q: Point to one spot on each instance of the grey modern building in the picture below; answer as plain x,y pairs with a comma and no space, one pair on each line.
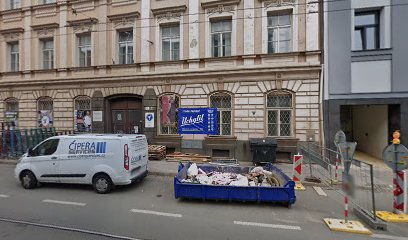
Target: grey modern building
366,71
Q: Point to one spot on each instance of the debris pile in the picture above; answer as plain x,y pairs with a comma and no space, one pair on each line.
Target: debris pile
256,177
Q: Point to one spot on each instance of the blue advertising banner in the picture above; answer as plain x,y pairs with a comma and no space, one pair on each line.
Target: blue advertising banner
197,121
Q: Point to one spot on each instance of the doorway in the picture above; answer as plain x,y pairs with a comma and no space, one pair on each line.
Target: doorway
370,126
126,115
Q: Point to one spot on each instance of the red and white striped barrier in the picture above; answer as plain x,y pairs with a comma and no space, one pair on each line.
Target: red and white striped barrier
297,168
346,208
398,192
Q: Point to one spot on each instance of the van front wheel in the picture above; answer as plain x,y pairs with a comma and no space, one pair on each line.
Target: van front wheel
28,180
102,183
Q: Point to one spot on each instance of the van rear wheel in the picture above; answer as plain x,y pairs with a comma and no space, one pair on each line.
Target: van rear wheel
28,180
102,183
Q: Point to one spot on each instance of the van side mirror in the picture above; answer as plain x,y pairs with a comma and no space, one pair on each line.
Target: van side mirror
30,152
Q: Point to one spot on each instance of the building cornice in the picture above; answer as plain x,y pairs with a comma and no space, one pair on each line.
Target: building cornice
166,10
82,21
47,5
12,30
45,26
214,4
121,16
278,3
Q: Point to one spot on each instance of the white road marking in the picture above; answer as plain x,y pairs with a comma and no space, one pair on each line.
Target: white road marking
156,213
4,196
64,202
319,191
388,237
287,227
68,229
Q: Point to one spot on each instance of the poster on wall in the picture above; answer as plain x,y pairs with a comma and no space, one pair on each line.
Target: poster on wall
197,121
45,118
169,110
11,118
97,116
83,120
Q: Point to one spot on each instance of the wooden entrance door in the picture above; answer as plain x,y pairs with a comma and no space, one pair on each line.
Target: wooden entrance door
126,115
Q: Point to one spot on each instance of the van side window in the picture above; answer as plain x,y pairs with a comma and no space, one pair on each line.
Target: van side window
46,148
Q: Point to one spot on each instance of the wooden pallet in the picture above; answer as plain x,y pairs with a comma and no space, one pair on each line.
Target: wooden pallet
187,157
157,152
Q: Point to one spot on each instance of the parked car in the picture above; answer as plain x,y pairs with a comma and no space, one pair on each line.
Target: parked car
101,160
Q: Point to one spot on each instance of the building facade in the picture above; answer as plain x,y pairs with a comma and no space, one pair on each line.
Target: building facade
366,87
102,65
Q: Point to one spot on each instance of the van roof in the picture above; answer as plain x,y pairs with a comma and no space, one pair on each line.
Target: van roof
100,136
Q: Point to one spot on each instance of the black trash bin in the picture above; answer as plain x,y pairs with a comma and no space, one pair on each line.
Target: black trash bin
263,150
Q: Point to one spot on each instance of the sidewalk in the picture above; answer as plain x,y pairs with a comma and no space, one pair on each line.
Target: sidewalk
165,168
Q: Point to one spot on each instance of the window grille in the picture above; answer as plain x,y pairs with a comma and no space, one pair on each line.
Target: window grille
223,103
279,108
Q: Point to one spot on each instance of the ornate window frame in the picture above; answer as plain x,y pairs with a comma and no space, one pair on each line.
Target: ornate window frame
271,6
121,23
215,10
169,16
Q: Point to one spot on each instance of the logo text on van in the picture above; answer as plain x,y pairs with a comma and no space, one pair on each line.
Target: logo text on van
87,147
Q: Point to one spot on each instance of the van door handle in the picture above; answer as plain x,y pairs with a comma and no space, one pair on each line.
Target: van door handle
53,158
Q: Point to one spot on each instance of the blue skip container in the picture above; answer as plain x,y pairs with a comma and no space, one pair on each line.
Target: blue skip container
282,194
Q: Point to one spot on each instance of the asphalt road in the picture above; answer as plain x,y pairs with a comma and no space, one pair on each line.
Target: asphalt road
148,210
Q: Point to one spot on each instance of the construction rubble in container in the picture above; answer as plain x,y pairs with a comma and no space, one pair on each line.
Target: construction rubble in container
256,177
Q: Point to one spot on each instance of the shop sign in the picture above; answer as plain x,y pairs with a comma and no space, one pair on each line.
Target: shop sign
197,121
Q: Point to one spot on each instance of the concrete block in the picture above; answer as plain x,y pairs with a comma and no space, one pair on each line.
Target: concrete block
200,102
256,100
241,100
242,125
243,89
241,113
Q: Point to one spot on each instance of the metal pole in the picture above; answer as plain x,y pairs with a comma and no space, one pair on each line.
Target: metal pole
372,191
310,160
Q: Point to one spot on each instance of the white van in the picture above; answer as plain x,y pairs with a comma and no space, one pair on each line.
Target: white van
101,160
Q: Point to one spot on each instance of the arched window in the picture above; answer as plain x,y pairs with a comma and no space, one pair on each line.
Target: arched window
223,102
11,111
45,107
82,114
168,113
279,106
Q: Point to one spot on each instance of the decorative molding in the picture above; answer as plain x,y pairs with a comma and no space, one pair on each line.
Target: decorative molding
82,24
169,13
220,9
116,3
218,3
82,5
45,10
279,3
44,5
12,34
45,29
11,15
123,19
